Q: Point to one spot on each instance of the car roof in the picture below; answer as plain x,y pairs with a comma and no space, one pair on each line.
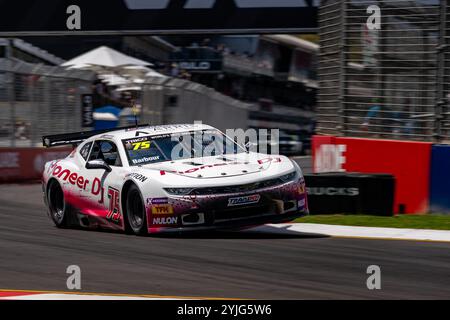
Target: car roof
151,131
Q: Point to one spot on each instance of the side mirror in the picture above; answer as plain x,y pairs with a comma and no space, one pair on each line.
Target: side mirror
98,164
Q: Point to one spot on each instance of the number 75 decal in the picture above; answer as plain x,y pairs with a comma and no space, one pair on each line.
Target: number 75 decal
141,145
114,205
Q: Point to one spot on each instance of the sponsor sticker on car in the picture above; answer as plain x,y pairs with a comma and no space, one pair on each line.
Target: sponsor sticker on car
137,176
301,203
301,189
162,209
165,221
240,201
158,201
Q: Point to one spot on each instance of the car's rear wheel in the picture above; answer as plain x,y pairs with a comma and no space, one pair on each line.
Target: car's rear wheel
136,214
59,210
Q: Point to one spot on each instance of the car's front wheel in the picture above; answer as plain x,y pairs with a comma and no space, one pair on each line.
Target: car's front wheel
58,209
136,214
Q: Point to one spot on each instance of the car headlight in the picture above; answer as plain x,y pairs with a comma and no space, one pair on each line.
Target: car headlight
297,167
289,176
178,191
294,175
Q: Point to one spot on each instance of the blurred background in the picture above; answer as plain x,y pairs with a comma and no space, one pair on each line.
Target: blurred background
390,82
75,83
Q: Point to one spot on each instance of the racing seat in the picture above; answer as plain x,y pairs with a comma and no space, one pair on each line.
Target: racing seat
111,159
109,154
96,153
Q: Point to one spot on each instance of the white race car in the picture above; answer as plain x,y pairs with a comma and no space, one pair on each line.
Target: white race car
130,180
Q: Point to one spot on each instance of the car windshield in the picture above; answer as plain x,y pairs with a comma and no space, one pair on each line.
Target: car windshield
168,147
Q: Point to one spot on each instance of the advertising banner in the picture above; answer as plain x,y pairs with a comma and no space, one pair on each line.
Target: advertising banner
87,111
408,162
26,164
350,193
440,179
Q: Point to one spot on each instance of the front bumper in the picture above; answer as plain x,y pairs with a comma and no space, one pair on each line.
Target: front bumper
232,225
279,204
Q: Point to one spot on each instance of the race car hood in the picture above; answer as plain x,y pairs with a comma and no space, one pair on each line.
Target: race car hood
217,166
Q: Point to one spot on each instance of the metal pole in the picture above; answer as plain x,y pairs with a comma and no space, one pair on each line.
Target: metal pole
33,113
11,94
342,71
440,73
381,77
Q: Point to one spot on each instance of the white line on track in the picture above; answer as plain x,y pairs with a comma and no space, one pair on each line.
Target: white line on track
359,232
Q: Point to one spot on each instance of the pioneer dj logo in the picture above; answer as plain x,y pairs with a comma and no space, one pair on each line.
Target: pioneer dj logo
208,4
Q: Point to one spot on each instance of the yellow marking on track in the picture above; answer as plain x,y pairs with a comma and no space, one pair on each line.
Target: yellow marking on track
116,295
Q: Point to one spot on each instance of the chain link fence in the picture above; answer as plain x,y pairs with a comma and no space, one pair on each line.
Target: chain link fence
37,100
387,81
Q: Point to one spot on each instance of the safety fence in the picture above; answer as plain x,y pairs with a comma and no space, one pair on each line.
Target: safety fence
384,69
37,100
170,100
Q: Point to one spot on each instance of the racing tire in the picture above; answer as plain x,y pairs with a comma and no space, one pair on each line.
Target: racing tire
58,209
135,211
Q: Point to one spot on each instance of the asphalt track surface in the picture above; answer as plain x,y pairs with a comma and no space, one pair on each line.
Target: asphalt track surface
34,255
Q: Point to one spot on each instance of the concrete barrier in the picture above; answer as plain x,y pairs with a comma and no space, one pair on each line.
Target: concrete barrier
407,161
26,164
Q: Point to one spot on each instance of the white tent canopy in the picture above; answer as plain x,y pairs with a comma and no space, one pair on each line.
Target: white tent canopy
138,72
104,57
114,79
129,88
153,73
135,70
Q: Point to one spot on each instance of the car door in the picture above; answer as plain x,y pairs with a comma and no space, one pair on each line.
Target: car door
105,184
80,158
